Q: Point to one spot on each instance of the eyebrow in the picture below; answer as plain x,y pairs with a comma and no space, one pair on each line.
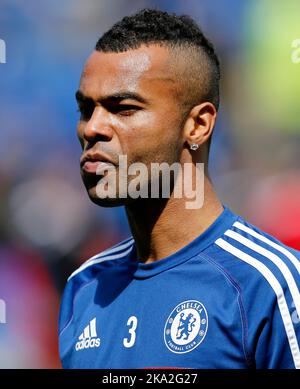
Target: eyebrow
114,98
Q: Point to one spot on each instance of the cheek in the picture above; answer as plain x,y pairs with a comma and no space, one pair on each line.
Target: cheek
152,138
141,135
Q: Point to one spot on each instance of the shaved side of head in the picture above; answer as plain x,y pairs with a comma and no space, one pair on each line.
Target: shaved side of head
195,76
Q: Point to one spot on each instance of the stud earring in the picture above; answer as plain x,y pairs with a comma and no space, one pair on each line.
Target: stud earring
194,146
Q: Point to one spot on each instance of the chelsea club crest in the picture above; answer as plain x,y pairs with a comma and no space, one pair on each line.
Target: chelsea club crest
186,327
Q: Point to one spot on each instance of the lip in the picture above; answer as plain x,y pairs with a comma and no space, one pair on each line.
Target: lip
96,167
90,162
94,157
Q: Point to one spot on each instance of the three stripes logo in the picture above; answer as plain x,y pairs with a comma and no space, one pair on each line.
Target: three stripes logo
88,339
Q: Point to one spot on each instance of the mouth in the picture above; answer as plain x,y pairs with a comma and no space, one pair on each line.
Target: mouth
95,163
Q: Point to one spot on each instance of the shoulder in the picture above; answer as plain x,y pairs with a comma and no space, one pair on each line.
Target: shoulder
262,252
255,257
86,274
114,254
267,274
266,271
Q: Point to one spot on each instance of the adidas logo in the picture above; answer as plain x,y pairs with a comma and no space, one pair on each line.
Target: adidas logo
88,339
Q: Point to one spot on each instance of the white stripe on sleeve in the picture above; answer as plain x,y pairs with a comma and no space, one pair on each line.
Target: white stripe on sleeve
281,301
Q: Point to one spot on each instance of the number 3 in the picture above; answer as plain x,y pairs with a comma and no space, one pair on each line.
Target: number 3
132,321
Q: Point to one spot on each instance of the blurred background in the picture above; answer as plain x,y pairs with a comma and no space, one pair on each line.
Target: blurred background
48,227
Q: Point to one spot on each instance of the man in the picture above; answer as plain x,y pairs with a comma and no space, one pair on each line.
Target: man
195,286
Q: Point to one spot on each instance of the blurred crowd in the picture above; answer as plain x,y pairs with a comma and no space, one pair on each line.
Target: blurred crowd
48,227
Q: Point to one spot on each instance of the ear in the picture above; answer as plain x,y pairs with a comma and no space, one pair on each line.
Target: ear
200,123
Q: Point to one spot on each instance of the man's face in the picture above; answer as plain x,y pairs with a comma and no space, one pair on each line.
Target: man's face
129,106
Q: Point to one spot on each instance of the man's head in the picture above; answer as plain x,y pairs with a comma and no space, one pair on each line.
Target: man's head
148,91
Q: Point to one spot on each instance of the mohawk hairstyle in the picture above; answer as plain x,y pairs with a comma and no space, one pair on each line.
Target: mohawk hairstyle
166,29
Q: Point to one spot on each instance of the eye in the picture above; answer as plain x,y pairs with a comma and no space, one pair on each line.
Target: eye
86,111
124,109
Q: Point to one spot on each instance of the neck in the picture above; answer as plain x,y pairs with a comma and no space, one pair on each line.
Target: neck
161,227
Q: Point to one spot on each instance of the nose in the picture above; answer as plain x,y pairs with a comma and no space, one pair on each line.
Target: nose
98,128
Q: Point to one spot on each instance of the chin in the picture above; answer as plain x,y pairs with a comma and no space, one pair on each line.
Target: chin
108,202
